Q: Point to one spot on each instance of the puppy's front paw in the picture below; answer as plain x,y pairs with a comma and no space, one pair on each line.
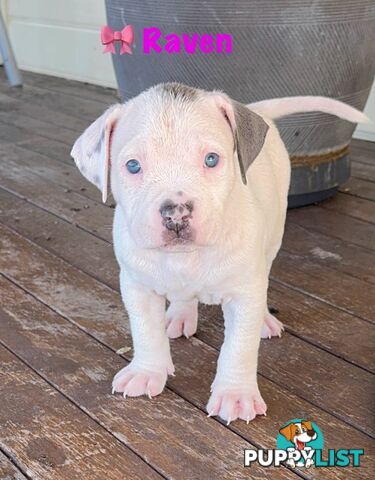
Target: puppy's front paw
230,404
272,327
181,319
133,381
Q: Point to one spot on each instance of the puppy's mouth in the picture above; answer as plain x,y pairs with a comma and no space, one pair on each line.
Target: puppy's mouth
180,245
178,237
178,241
300,445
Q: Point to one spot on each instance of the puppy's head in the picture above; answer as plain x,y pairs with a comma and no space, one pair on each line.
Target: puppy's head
299,433
173,155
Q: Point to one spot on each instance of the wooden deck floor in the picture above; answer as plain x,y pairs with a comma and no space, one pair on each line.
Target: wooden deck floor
62,322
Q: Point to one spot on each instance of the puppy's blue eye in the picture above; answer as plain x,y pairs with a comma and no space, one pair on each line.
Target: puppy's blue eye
211,159
133,166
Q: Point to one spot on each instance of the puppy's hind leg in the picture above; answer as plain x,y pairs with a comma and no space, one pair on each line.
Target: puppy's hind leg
182,319
272,327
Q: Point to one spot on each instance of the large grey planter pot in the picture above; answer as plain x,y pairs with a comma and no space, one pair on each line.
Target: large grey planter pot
288,47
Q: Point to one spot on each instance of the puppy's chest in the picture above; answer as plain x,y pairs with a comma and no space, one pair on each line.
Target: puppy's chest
184,278
178,273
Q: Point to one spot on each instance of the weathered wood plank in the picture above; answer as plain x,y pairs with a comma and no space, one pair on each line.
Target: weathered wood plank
22,161
359,188
52,438
85,109
342,291
164,430
53,117
337,332
36,126
335,224
330,252
71,87
365,171
97,259
362,151
49,148
87,303
85,251
57,199
8,471
12,134
351,206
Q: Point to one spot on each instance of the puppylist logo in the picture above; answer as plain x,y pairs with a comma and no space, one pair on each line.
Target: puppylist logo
300,443
155,42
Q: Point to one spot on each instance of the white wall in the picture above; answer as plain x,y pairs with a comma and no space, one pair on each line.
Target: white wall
61,38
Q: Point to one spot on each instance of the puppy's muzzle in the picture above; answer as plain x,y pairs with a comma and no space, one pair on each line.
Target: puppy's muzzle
176,216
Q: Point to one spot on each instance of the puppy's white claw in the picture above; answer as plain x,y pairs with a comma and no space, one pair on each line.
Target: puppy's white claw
181,319
124,394
113,390
210,414
149,394
229,420
247,420
271,327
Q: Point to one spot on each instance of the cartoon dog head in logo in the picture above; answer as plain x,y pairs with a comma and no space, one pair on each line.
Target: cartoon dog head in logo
299,433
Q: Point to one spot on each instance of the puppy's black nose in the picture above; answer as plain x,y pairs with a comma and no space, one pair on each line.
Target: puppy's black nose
310,433
176,216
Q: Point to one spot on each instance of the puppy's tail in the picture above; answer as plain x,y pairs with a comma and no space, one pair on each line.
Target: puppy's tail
280,107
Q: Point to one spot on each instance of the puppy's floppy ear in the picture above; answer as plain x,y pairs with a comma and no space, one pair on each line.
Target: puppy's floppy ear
288,431
249,131
307,424
91,151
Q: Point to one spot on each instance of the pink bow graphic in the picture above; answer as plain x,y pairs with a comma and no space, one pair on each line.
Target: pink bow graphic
109,37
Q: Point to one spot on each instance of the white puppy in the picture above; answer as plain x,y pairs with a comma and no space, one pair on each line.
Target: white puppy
194,223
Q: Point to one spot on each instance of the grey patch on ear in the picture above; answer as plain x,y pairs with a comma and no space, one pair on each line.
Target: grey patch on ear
249,136
98,146
180,91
